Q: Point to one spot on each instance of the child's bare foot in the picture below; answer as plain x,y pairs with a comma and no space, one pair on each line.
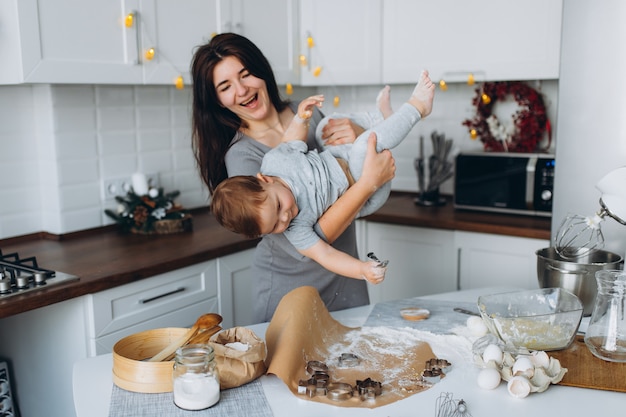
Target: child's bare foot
383,102
423,95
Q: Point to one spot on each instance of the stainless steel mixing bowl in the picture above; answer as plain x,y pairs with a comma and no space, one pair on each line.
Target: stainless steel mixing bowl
576,275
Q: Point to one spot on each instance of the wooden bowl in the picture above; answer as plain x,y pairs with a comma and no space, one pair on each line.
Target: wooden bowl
132,373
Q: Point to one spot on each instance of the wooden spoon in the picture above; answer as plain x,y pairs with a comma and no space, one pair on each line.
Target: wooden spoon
202,336
204,322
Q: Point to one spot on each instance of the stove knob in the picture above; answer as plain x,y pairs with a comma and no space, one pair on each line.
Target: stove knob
40,278
5,286
23,282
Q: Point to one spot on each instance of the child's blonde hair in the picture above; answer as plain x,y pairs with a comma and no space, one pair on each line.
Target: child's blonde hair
236,204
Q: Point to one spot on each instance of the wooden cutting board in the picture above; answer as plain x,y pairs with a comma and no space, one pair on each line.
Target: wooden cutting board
587,371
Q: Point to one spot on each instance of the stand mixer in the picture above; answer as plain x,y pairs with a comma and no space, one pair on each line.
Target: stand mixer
578,235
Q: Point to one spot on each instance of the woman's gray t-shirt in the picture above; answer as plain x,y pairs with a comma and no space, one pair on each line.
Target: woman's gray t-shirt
278,267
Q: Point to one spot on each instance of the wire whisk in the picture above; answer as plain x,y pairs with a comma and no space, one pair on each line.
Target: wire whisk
447,406
579,235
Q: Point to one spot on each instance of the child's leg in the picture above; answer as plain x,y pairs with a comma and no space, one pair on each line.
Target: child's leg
389,134
366,120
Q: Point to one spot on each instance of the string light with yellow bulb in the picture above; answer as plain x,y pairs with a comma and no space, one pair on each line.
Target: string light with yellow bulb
131,21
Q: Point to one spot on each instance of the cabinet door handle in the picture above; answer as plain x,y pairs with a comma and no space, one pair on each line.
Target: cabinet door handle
156,297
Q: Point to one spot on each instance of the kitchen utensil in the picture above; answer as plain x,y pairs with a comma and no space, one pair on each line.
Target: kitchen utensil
544,319
447,406
576,275
201,336
419,167
373,257
578,235
204,322
606,333
130,369
465,311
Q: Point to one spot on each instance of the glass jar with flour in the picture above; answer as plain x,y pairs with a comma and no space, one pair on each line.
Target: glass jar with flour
195,377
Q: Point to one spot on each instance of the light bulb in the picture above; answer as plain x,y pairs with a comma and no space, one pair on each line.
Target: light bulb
179,82
289,89
129,20
473,134
470,79
442,85
303,60
485,99
336,101
149,54
317,71
310,42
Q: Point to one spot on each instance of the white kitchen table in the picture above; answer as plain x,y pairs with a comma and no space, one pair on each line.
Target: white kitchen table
93,385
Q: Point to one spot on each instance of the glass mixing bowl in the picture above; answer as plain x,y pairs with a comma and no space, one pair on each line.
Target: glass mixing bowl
543,319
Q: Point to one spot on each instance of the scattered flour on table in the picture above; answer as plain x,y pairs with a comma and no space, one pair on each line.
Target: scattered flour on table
380,346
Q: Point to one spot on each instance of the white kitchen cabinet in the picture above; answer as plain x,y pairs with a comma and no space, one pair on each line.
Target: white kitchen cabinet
493,39
347,42
78,42
422,261
487,260
270,24
237,288
172,299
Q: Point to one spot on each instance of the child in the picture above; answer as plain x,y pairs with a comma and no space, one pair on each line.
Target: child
295,185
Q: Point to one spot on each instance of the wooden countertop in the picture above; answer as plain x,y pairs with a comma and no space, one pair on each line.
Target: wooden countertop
103,258
401,209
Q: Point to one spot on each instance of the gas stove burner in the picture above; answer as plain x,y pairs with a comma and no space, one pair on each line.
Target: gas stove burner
20,275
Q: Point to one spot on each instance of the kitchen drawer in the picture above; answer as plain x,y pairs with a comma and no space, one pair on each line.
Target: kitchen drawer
128,305
185,317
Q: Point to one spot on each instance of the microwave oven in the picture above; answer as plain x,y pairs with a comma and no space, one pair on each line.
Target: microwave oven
518,183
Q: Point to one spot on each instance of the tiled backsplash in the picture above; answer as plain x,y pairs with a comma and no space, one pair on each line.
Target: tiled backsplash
58,143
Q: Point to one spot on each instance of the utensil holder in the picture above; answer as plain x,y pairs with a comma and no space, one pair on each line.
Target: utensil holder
430,199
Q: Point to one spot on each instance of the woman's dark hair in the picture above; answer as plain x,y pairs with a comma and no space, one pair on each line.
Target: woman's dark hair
213,126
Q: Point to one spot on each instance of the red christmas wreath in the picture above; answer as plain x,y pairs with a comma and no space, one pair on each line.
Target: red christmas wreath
530,122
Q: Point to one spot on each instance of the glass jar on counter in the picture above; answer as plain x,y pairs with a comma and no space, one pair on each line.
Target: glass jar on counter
195,377
606,333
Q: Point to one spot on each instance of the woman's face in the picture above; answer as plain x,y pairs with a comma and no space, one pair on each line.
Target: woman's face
239,91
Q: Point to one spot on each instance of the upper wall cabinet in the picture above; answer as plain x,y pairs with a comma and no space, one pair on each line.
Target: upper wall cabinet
493,39
112,41
345,41
270,25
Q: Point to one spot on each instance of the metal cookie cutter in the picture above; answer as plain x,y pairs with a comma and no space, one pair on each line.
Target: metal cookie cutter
373,257
439,364
313,367
348,360
339,391
316,385
368,389
431,376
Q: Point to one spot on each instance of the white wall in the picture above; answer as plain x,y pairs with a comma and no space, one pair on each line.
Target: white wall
592,110
58,142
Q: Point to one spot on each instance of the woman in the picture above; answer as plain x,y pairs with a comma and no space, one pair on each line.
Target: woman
238,116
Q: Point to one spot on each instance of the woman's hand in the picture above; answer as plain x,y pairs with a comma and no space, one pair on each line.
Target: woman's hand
372,272
378,168
340,131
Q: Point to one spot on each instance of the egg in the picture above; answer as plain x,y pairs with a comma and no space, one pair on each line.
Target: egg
540,359
488,378
518,387
523,366
476,326
492,353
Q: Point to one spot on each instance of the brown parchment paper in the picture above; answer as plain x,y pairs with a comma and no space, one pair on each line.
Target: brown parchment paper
302,329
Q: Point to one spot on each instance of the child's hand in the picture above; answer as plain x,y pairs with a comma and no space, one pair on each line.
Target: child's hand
305,108
372,272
